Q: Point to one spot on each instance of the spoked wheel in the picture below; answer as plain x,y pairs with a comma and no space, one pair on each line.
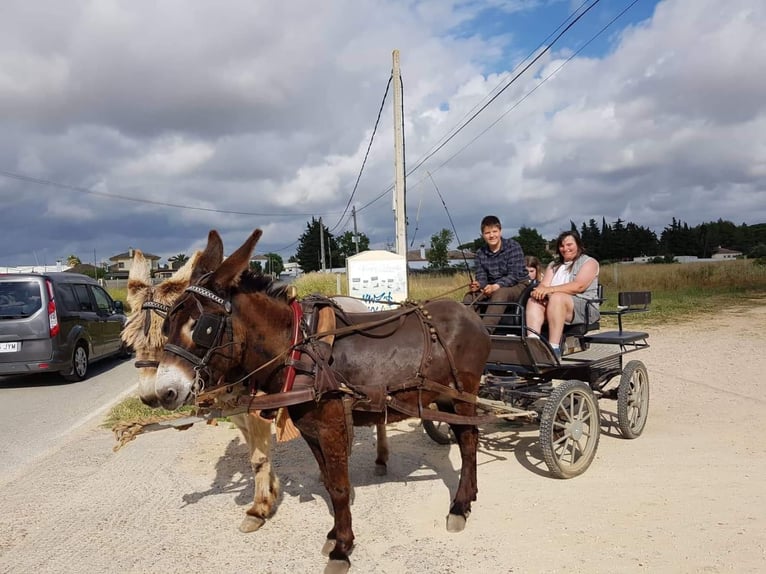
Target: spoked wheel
439,432
633,399
569,429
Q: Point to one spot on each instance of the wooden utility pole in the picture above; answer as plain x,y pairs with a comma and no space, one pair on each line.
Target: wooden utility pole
322,265
356,235
400,213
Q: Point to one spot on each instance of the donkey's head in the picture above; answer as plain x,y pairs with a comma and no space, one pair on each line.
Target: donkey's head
200,347
149,304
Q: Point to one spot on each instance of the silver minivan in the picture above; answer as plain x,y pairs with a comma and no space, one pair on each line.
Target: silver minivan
57,322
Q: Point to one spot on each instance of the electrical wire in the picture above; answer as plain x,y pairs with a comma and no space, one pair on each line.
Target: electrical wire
84,190
367,153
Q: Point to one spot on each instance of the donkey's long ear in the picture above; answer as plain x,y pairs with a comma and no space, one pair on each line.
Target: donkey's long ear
229,271
184,273
139,281
211,257
139,270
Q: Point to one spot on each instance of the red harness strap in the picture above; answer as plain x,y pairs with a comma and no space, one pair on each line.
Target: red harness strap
295,354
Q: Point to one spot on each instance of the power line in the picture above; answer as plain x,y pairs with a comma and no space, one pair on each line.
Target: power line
507,85
367,153
530,92
455,131
84,190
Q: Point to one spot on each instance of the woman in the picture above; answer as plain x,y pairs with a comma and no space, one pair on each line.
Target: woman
562,296
534,268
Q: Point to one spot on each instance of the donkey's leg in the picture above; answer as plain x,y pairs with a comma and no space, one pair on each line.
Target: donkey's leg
257,433
330,446
468,441
381,438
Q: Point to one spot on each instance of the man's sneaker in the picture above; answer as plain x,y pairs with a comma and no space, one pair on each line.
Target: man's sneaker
557,352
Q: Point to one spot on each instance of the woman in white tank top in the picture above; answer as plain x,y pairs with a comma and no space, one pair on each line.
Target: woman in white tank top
561,298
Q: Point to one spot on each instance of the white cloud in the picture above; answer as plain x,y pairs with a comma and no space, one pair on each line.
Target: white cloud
267,108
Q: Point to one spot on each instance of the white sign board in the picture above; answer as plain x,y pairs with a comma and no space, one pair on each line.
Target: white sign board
378,277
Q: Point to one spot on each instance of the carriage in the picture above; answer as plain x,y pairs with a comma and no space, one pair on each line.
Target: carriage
239,339
524,381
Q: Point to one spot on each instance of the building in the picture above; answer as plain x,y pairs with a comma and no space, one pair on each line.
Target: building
723,254
418,259
121,263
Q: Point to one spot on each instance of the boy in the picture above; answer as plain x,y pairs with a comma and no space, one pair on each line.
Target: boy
501,275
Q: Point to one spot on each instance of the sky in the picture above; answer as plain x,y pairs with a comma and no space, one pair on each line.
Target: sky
145,124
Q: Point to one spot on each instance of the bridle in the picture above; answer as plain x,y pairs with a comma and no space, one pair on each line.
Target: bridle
208,333
148,307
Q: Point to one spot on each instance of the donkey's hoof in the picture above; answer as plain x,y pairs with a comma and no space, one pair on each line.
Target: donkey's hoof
381,470
337,567
455,523
251,524
329,544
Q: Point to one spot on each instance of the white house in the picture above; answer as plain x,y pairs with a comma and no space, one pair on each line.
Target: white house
723,253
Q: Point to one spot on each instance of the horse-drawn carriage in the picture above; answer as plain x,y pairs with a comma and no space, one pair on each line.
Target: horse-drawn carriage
524,380
239,341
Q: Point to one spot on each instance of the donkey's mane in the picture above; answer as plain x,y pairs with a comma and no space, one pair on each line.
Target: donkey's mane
252,282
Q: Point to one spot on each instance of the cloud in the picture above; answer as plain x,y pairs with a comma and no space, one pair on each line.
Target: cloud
267,109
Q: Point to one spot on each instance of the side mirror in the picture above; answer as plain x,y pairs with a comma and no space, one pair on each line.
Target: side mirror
119,307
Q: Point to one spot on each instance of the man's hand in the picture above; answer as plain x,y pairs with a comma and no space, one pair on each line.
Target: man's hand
474,286
489,289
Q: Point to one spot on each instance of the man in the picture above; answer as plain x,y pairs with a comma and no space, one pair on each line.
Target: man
501,275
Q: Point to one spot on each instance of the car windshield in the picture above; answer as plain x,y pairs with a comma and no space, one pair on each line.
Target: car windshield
19,299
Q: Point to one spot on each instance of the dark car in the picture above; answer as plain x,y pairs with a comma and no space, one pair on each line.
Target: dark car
57,322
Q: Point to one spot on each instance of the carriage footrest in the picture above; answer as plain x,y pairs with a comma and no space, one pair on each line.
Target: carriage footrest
616,337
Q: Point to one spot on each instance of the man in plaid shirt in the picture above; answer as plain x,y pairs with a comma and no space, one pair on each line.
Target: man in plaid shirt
501,275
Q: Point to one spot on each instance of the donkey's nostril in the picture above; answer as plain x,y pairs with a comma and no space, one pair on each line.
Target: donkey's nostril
170,396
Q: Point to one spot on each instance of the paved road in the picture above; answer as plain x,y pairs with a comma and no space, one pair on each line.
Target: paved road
38,411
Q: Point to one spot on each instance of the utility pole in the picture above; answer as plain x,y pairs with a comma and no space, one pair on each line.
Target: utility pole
400,214
356,235
323,267
400,205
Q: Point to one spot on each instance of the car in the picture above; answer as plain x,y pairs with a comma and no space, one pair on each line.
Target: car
57,322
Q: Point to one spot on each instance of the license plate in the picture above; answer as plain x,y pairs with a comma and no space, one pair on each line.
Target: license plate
9,347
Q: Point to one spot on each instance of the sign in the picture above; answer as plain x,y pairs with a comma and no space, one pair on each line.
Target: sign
379,278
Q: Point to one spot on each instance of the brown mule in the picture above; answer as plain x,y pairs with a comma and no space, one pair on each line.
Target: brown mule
233,325
149,303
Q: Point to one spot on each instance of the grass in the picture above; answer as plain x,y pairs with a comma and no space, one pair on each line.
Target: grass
679,290
132,408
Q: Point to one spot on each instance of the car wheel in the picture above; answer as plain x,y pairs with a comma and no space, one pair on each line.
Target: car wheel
79,368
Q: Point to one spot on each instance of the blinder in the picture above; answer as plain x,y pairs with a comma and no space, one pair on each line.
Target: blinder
207,334
207,330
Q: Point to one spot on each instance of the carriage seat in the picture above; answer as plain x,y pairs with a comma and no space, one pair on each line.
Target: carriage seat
511,320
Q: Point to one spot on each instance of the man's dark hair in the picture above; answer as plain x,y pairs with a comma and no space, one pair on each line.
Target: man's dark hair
490,221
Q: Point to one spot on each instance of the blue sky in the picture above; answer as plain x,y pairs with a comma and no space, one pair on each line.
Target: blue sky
146,124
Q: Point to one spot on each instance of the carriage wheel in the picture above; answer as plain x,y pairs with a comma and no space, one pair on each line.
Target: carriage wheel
569,429
439,432
633,399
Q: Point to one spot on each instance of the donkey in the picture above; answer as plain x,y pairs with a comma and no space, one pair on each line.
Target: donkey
143,333
385,366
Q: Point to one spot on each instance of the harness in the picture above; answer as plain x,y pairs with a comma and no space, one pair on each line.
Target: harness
307,362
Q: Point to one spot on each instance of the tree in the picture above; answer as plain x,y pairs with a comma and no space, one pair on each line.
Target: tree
274,265
473,245
438,255
73,260
347,246
177,261
309,254
532,243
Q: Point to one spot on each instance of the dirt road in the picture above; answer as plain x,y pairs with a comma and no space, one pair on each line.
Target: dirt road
687,496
